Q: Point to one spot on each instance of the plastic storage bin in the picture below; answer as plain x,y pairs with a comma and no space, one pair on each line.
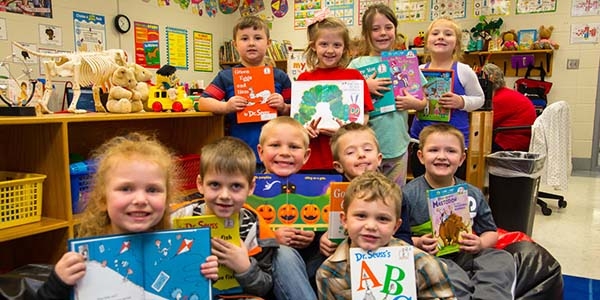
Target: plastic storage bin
187,170
81,180
20,198
513,184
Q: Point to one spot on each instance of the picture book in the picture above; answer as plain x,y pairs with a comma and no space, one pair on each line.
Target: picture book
385,103
225,229
329,100
404,67
386,273
299,200
449,213
438,83
151,265
336,232
255,84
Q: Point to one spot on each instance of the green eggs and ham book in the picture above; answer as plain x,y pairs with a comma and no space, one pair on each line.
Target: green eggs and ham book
299,200
150,265
385,273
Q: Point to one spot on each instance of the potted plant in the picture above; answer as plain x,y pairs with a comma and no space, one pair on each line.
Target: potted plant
487,30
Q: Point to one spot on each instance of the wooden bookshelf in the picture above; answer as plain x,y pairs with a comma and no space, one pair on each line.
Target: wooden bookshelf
43,145
503,60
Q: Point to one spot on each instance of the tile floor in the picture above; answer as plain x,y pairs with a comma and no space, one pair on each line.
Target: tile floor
572,234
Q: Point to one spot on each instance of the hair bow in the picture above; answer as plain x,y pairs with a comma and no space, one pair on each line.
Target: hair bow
319,16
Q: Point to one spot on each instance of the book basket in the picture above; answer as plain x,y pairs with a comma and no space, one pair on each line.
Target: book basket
20,198
187,169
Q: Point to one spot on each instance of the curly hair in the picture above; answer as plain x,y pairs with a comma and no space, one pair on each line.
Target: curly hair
374,186
95,219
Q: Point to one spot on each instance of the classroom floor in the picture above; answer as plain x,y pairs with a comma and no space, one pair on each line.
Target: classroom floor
572,234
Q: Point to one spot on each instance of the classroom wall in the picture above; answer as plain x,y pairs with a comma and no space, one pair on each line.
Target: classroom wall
577,87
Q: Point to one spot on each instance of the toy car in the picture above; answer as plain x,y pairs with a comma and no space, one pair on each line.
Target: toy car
174,99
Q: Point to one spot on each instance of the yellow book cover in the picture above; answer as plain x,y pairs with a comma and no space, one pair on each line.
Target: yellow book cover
225,229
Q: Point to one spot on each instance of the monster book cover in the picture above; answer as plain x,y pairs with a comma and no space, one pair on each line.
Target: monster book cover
299,200
333,101
151,265
450,216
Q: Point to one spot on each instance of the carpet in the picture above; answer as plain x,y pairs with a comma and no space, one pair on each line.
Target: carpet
580,288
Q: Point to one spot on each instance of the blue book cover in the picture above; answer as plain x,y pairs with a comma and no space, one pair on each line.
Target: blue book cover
387,102
299,200
151,265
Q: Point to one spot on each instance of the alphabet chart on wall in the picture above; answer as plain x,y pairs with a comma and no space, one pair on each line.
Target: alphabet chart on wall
491,8
451,8
364,4
410,10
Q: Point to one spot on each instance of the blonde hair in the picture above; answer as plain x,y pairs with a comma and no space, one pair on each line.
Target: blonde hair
442,128
348,129
228,155
253,22
280,121
313,32
457,54
374,186
95,219
367,24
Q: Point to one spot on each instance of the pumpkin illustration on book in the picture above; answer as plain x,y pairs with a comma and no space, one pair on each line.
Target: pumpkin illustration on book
288,214
310,213
326,213
266,211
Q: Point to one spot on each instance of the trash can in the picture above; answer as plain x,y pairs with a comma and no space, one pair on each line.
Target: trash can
514,177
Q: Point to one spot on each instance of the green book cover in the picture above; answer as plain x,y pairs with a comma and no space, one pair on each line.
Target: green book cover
382,104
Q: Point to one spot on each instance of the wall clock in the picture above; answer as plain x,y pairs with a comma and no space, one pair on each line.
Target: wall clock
122,23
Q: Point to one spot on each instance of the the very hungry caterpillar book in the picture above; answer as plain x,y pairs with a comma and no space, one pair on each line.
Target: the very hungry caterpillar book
299,200
450,215
226,229
385,273
151,265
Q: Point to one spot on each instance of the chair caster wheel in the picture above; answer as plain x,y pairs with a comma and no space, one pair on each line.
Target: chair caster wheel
546,211
562,203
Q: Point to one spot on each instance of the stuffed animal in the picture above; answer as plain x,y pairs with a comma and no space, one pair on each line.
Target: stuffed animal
419,40
143,77
544,41
122,96
508,41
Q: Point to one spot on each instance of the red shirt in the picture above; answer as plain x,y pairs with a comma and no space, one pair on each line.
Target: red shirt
512,108
320,156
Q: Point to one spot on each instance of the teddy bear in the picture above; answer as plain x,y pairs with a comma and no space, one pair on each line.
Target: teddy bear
508,41
143,77
544,41
122,96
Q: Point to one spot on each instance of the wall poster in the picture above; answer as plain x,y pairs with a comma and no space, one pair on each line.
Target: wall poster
203,57
177,48
532,7
456,9
410,10
147,47
90,31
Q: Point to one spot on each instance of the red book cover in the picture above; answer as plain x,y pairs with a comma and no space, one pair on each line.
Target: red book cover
255,84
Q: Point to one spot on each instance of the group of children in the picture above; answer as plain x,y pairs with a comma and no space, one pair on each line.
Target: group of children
133,184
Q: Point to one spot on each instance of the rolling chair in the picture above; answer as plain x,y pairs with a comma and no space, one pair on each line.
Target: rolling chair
550,136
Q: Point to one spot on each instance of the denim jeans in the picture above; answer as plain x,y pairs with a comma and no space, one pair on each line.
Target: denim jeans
289,276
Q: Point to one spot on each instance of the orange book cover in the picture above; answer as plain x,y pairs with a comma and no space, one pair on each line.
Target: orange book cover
336,231
255,84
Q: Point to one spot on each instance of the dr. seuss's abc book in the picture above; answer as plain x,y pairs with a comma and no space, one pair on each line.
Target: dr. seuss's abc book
450,216
385,273
227,229
152,265
255,84
329,100
299,200
438,83
385,103
336,232
404,67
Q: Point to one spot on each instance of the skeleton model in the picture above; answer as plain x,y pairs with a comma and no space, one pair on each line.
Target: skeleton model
86,68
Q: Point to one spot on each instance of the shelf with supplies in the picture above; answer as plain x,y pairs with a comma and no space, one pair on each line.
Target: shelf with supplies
44,144
279,64
514,63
